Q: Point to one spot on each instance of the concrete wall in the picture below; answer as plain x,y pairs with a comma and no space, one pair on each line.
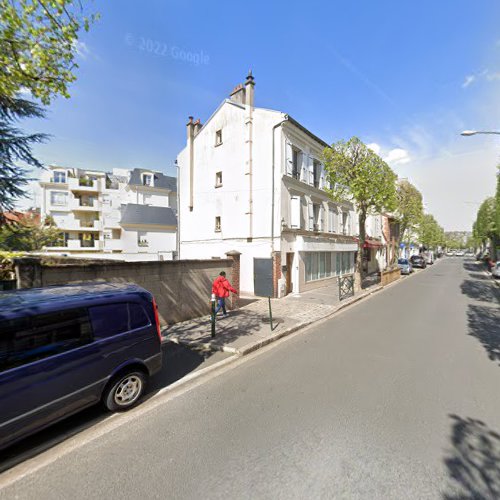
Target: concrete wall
182,289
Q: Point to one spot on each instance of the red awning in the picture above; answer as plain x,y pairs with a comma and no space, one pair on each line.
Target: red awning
372,244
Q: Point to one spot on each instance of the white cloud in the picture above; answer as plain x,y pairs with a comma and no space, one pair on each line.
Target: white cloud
81,49
493,76
397,156
374,147
469,79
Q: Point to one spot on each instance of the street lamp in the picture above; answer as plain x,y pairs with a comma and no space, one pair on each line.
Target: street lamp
467,133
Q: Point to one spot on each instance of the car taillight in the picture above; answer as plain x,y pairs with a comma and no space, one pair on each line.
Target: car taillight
157,320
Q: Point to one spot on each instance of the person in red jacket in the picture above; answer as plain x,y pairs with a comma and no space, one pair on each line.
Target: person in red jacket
221,288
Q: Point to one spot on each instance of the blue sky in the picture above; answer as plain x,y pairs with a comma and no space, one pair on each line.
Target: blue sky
404,76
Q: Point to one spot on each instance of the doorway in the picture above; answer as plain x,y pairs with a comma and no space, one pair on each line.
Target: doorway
289,263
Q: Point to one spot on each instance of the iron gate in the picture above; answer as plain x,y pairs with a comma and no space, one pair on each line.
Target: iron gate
346,286
263,277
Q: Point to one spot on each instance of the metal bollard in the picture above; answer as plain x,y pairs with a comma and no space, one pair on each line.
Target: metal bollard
270,314
213,316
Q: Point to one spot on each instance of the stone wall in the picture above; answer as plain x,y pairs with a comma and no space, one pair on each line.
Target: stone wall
182,288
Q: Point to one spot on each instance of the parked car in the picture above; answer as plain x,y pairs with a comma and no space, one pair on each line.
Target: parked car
429,258
450,254
495,271
405,266
460,253
65,348
418,261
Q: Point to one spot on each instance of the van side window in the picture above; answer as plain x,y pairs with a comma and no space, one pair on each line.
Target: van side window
138,316
112,319
109,319
25,340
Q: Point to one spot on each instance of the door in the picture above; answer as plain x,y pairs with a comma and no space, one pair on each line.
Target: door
289,263
263,277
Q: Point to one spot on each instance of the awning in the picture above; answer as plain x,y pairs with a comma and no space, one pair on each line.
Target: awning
369,243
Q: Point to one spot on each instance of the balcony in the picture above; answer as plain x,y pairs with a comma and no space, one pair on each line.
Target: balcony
79,225
112,245
84,205
78,245
83,184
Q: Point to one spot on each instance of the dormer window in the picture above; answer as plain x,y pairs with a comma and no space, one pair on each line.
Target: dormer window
59,177
218,137
147,180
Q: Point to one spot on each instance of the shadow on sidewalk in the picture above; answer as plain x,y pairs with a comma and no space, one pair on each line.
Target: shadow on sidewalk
473,461
484,324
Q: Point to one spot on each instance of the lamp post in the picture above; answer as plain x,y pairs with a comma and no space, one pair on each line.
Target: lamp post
467,133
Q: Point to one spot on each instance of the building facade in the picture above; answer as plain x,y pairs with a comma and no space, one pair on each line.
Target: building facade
251,180
124,214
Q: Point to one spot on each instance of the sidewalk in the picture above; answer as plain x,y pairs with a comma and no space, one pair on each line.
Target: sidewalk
248,328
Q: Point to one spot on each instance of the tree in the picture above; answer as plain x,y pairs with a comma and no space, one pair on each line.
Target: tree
16,147
38,45
485,227
29,235
410,208
430,233
357,173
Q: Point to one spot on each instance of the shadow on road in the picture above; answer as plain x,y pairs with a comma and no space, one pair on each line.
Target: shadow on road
473,462
178,361
483,314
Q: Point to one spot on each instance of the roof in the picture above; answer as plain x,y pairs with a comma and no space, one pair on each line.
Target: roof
31,299
160,180
147,214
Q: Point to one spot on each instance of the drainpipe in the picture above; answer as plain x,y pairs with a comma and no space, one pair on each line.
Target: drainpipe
190,149
272,182
249,101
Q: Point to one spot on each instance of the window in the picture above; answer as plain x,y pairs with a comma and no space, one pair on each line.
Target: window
147,180
296,161
319,265
217,224
218,137
25,340
138,317
331,220
218,179
106,199
59,177
317,173
58,198
113,319
317,222
142,239
295,210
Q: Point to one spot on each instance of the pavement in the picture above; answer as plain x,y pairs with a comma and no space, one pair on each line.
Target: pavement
249,327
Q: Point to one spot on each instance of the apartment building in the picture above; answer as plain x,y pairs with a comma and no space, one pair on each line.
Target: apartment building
123,214
251,180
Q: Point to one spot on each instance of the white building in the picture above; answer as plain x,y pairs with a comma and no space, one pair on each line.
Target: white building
251,180
126,214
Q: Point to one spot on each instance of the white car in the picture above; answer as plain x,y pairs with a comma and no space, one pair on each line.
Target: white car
495,270
459,253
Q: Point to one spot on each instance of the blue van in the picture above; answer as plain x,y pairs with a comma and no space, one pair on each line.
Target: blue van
65,348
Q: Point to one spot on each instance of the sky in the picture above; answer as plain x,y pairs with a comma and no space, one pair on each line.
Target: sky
406,77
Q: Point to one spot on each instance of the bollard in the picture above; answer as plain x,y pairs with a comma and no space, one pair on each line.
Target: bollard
213,315
270,313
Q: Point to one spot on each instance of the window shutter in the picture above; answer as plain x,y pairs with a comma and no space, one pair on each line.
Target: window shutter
289,158
295,212
310,210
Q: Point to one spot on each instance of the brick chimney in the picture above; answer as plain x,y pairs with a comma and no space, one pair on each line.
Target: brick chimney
238,94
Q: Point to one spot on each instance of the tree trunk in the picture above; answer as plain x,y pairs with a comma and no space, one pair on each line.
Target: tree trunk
362,236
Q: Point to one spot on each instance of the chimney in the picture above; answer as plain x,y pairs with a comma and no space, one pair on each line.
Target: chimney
249,89
190,151
238,94
197,126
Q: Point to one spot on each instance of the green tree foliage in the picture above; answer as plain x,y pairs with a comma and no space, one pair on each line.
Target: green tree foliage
430,233
485,228
29,235
38,44
358,174
15,147
410,208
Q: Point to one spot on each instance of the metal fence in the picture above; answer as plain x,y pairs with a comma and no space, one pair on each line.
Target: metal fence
346,286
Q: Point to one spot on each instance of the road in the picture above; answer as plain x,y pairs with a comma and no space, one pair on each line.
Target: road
396,397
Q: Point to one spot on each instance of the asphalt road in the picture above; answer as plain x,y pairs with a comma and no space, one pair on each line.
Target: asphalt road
396,397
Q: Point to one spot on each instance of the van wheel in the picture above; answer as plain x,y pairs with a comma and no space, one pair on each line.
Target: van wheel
125,391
